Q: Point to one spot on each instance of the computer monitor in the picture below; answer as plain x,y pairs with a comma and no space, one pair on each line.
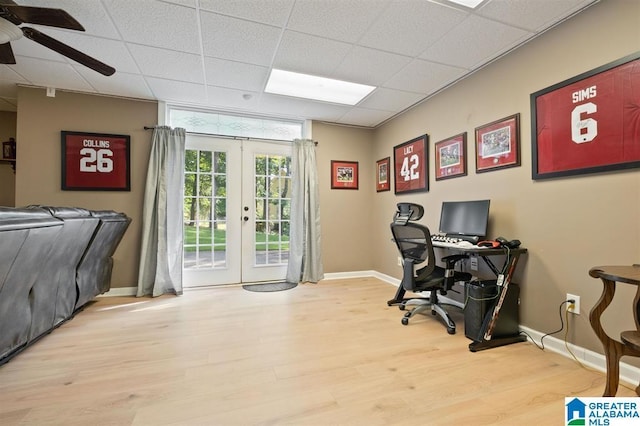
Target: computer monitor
464,218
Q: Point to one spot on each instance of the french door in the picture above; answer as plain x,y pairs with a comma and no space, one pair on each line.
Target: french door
236,211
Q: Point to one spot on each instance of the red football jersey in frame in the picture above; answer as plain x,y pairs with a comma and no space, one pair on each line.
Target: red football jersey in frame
93,161
410,165
590,123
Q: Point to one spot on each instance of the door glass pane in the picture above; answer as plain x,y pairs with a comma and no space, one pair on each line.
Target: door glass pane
273,197
205,210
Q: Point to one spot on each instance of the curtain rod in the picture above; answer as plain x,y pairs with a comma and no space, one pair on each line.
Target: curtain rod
225,136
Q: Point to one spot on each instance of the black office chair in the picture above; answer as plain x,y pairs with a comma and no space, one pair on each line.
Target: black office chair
414,244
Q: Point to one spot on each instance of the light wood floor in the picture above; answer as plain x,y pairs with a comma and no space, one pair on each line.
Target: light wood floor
326,354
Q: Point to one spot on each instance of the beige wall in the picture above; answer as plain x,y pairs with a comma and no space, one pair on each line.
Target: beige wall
346,214
7,177
40,120
569,225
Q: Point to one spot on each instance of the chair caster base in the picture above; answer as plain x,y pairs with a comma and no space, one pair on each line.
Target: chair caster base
451,330
405,321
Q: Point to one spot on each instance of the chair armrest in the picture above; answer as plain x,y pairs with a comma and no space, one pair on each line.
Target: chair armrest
453,258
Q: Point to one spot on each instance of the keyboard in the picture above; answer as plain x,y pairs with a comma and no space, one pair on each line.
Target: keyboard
445,239
440,240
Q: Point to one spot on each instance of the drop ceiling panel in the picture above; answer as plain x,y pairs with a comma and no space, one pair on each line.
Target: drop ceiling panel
390,100
473,41
364,117
343,20
531,15
209,53
51,74
156,23
424,77
177,91
409,27
233,99
369,66
168,64
235,75
119,84
238,40
272,12
310,54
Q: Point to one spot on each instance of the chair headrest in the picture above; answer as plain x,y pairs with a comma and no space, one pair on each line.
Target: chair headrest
408,212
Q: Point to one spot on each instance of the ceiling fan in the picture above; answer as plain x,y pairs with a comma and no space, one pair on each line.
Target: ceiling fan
13,15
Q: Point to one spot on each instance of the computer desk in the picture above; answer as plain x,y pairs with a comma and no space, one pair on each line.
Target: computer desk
503,277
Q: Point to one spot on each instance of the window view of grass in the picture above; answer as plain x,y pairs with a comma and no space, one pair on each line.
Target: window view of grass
219,237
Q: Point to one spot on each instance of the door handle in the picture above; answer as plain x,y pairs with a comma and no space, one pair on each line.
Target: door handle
246,218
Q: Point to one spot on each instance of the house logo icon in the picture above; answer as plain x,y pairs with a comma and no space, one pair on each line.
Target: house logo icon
576,412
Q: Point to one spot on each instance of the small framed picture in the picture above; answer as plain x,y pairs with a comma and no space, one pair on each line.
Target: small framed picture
95,162
9,149
451,157
498,144
410,161
344,174
382,175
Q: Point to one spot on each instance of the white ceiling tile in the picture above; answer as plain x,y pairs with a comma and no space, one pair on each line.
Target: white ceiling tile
283,105
119,84
473,41
168,64
532,15
8,74
155,23
207,53
423,77
272,12
231,98
344,20
309,54
369,66
364,117
390,100
324,111
410,26
51,74
177,91
235,75
238,40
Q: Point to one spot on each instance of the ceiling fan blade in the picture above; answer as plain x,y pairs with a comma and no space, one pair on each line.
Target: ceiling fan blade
6,54
39,15
67,51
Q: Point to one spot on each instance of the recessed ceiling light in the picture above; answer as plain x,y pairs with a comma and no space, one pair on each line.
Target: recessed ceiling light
467,3
319,88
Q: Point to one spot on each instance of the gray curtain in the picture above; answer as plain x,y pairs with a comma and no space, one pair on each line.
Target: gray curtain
160,269
305,257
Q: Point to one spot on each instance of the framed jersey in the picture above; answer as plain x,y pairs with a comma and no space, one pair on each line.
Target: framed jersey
589,123
95,162
410,161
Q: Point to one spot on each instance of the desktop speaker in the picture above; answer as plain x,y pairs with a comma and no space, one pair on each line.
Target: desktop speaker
481,297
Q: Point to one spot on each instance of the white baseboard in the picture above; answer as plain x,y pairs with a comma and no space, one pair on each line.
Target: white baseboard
628,373
120,292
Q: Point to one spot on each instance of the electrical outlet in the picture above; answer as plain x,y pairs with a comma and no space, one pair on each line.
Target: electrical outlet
575,309
399,261
473,263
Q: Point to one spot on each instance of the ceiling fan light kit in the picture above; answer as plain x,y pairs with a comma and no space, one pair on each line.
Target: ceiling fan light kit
13,15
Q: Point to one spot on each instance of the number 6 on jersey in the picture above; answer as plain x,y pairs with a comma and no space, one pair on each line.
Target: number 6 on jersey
410,164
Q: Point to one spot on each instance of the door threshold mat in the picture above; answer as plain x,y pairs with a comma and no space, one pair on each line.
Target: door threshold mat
269,287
